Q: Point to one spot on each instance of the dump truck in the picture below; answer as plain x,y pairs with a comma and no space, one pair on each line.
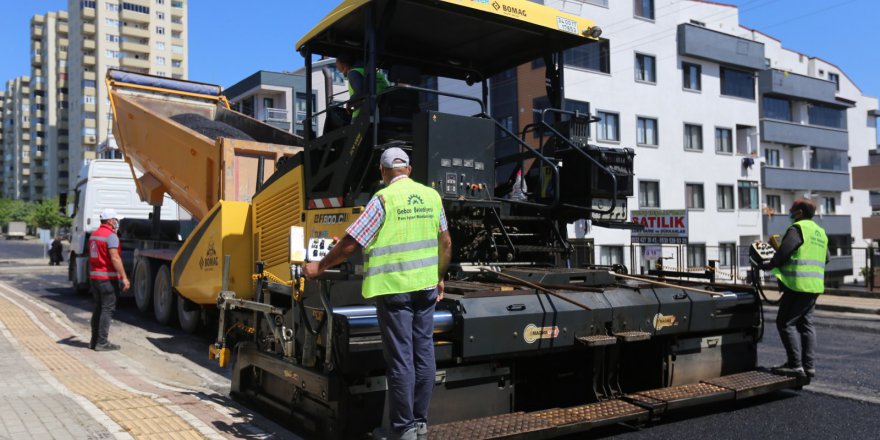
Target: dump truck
529,343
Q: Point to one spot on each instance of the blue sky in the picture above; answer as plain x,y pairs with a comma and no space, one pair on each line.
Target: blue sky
228,42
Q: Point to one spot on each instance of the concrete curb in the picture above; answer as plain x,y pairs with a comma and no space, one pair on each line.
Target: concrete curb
841,309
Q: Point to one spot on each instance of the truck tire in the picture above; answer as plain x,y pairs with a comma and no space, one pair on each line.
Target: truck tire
163,296
142,284
189,315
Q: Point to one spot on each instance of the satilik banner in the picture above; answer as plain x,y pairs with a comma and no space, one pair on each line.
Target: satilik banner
660,226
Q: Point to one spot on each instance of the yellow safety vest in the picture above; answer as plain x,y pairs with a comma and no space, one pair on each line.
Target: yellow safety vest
805,271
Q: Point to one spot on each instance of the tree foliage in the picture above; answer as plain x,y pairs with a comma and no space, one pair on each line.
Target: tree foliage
45,214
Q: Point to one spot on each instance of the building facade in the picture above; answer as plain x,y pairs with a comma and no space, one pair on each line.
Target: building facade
16,139
144,36
277,99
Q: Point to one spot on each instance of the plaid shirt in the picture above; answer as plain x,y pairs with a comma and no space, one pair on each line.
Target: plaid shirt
365,228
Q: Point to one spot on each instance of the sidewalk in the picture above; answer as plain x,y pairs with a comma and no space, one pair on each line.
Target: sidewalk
53,386
836,303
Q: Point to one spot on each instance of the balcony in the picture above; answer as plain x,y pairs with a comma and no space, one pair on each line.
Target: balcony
90,75
832,224
136,63
89,107
793,85
63,28
791,133
88,12
37,32
89,122
699,42
88,28
131,31
36,60
88,44
793,179
134,47
875,201
133,16
866,177
840,265
177,26
871,227
89,140
89,60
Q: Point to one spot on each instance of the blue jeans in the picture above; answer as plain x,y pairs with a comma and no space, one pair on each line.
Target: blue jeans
407,324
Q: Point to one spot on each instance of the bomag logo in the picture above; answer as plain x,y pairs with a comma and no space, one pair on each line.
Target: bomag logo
532,333
662,321
415,199
509,9
210,260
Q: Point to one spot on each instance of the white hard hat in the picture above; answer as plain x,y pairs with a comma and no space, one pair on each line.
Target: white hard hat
109,213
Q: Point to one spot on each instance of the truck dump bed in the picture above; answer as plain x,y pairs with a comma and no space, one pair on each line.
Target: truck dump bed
189,144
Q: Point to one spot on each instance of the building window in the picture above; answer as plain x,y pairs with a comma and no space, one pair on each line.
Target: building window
176,19
696,255
88,83
829,160
771,156
161,73
646,68
649,194
176,48
748,194
136,8
693,194
160,61
610,255
609,126
113,38
507,123
835,78
774,203
112,7
160,2
159,45
777,108
644,9
160,15
88,99
737,83
691,76
829,203
724,140
112,54
726,251
725,198
594,55
160,30
112,23
693,137
176,34
176,63
646,131
87,4
827,116
176,3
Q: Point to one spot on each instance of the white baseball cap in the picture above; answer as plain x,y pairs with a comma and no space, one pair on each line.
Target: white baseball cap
394,158
109,213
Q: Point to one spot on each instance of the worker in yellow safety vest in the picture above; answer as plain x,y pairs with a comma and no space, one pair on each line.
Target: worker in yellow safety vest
407,247
357,89
799,265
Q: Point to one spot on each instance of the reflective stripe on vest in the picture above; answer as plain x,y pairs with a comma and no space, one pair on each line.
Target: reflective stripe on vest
381,84
404,255
805,271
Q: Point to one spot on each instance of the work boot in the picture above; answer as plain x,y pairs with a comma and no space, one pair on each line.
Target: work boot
788,370
106,347
811,372
421,431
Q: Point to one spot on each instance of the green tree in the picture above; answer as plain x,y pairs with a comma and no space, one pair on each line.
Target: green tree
47,215
14,211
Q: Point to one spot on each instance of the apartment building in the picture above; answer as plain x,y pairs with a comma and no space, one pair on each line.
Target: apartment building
144,36
48,112
16,137
275,98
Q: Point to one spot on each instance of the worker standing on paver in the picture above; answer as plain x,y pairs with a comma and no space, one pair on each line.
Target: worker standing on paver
356,75
407,248
799,264
105,272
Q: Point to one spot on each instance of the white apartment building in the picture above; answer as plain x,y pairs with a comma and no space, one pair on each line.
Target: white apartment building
48,113
144,36
15,170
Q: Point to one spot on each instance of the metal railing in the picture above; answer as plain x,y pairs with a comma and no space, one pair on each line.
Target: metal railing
274,115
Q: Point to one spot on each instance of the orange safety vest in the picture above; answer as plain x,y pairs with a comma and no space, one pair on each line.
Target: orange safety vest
100,266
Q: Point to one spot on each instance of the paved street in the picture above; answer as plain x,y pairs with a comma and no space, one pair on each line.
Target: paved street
165,368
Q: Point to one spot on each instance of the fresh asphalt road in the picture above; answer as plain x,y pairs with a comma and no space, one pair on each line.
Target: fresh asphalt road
842,403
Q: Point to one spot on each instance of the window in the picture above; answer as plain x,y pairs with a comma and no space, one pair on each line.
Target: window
691,79
771,155
160,61
87,4
835,78
112,23
724,140
89,131
160,15
507,123
176,19
176,63
176,3
696,255
694,195
160,2
176,48
826,116
646,131
112,54
112,7
649,194
693,137
829,203
609,255
827,159
777,108
113,38
644,9
609,126
737,83
161,73
88,83
646,68
594,55
725,198
726,251
136,8
775,204
176,34
748,194
159,45
88,99
160,30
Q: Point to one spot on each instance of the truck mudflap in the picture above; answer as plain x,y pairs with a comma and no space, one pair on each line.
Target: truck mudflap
633,408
